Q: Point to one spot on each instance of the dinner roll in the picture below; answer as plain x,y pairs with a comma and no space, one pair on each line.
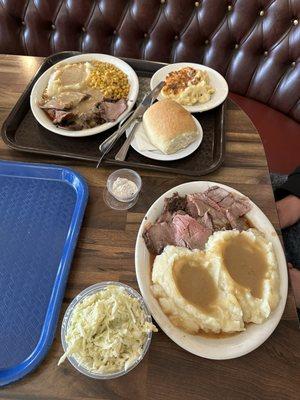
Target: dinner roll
169,126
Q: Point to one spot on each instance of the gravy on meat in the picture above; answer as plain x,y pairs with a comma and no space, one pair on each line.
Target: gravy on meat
246,263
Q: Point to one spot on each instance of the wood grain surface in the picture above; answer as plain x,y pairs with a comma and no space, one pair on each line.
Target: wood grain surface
105,251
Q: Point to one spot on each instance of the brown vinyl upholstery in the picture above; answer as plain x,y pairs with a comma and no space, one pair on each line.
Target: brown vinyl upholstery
255,44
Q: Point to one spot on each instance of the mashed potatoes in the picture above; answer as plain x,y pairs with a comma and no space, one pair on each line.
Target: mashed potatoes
69,77
251,268
194,293
235,281
188,86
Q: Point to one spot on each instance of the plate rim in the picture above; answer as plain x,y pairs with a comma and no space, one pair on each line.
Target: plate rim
195,108
90,131
178,336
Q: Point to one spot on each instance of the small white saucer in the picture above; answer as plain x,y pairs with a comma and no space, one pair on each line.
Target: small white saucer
158,155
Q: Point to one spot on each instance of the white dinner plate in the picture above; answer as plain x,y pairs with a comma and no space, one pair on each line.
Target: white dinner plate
158,155
223,348
217,81
42,82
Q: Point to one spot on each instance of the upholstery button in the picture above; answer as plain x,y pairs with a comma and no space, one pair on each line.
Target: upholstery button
197,4
295,22
53,26
229,8
206,41
293,64
175,37
145,35
83,29
115,32
261,13
266,52
236,46
23,23
162,1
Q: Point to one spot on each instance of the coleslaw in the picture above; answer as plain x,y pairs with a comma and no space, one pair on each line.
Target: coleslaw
107,331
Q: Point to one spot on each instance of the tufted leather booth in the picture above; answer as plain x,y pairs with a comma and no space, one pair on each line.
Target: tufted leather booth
255,44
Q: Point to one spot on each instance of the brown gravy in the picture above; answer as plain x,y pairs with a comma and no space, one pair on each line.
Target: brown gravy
195,284
246,263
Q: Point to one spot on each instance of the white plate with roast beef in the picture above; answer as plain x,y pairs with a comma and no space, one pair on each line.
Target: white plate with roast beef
84,95
211,269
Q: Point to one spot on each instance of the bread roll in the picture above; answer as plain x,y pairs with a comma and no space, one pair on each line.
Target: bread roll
169,126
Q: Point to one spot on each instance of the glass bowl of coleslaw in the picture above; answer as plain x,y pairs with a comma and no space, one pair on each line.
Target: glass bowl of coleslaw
106,330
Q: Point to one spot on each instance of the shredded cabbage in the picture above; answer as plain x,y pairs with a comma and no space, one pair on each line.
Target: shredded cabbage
107,331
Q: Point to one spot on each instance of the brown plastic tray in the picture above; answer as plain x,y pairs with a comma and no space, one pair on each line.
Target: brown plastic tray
22,132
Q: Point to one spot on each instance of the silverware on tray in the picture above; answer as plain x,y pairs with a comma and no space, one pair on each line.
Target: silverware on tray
121,154
108,143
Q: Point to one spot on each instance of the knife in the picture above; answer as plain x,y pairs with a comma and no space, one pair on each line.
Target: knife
121,155
138,113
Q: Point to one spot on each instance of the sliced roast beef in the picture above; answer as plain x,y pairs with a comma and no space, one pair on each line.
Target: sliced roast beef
240,207
189,233
86,109
65,101
59,116
216,193
199,202
239,223
175,203
221,199
158,236
216,202
196,206
112,110
207,221
189,221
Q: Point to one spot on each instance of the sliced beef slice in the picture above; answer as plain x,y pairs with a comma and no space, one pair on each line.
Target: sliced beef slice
158,236
240,206
216,193
207,221
222,200
189,233
59,116
65,101
237,222
112,110
175,203
200,204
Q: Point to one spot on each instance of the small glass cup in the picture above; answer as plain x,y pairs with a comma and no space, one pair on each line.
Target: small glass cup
64,327
116,202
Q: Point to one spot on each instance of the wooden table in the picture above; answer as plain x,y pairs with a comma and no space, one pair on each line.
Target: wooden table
105,251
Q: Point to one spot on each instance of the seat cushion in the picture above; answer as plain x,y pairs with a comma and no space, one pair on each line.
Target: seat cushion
280,134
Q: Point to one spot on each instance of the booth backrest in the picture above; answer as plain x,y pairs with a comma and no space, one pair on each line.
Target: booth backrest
255,44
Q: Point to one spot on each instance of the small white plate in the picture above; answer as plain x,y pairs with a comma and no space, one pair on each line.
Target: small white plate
42,82
158,155
217,81
215,349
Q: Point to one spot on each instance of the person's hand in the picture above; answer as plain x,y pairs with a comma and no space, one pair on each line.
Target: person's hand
288,211
295,281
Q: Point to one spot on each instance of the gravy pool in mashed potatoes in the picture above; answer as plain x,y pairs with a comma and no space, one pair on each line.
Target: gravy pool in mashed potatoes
233,282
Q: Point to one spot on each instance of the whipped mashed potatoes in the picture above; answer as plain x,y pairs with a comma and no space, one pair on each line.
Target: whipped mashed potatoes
67,78
233,282
252,274
188,86
193,292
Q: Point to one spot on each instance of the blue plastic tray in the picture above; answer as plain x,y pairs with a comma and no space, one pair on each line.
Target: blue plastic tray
41,210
